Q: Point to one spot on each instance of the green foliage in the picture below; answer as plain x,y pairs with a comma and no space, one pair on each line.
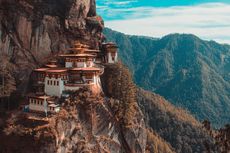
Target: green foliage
156,144
223,139
118,84
186,70
221,136
174,125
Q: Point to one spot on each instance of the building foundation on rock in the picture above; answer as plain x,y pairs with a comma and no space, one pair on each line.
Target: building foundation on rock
80,66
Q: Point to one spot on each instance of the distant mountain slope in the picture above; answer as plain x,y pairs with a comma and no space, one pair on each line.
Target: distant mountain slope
175,125
184,69
184,133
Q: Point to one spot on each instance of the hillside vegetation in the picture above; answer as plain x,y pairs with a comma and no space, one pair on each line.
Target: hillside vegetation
175,125
163,120
119,87
187,71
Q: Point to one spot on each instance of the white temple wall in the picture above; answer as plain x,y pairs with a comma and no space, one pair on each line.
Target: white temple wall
35,106
110,59
94,79
68,64
116,58
81,64
54,90
53,109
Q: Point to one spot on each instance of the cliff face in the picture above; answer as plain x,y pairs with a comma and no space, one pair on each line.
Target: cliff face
86,124
30,31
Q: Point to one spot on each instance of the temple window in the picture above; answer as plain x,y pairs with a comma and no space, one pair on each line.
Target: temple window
57,83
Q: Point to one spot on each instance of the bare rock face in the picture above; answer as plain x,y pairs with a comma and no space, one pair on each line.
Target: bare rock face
30,31
86,123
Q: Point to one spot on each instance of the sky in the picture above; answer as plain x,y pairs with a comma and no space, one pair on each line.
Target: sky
208,19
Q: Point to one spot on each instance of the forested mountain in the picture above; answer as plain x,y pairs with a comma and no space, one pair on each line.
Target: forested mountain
187,71
121,119
175,125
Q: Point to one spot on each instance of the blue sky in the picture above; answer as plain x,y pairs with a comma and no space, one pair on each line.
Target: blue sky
208,19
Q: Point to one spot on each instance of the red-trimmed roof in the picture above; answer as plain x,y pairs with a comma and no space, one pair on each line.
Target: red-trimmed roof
77,55
51,70
86,69
77,48
38,97
56,70
41,69
53,105
111,44
92,50
51,65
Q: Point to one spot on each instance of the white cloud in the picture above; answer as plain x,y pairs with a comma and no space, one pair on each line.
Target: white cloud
209,21
123,2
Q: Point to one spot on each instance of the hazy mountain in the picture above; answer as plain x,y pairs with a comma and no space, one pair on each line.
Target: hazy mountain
189,72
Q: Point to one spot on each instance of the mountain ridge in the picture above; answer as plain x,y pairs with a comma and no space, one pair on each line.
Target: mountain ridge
122,119
183,68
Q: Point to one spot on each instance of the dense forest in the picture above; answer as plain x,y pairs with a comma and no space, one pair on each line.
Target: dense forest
189,72
175,125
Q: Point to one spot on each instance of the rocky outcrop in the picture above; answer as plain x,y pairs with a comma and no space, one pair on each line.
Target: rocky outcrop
86,124
30,31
